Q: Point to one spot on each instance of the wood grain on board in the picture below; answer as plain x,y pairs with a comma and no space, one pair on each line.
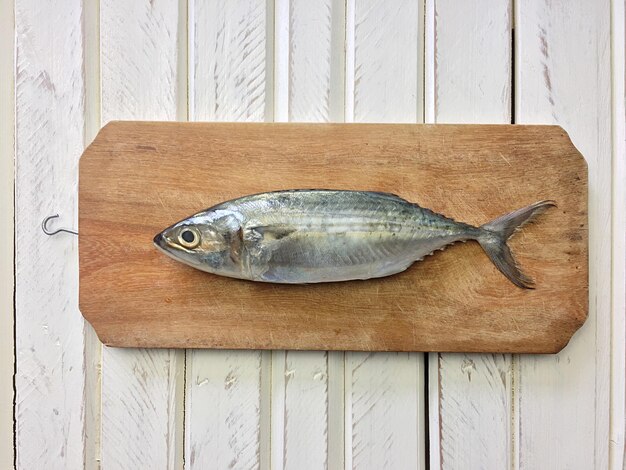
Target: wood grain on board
139,177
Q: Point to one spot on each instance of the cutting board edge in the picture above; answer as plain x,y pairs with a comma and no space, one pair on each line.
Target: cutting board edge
568,326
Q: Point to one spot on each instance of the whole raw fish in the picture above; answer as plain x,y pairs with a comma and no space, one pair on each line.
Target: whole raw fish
307,236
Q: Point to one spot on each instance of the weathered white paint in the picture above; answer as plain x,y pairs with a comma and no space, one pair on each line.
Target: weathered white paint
388,48
7,180
229,70
618,320
384,391
141,389
384,421
222,412
299,410
469,62
562,75
228,392
315,76
307,386
247,407
49,118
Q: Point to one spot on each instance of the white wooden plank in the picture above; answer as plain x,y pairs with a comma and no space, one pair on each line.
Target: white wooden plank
315,55
93,347
308,87
384,391
222,410
227,392
472,62
474,411
300,410
387,49
618,323
384,424
139,44
470,66
141,389
563,76
229,68
49,328
7,181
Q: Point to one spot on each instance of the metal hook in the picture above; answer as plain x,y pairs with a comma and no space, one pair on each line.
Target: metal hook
44,226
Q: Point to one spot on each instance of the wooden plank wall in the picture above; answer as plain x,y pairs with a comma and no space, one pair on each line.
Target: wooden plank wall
81,64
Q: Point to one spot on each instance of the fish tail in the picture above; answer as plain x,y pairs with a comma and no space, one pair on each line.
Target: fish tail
496,233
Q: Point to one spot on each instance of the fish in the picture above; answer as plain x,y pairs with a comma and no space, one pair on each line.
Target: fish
306,236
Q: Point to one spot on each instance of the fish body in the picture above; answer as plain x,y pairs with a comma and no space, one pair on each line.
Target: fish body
312,236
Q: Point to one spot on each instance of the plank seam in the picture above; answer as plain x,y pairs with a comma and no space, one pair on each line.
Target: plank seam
281,58
182,113
335,360
421,66
347,387
433,402
191,64
182,415
92,425
14,378
515,417
349,62
8,330
266,410
617,420
270,48
514,409
513,55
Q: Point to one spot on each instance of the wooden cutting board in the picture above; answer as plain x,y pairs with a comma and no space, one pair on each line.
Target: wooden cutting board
136,178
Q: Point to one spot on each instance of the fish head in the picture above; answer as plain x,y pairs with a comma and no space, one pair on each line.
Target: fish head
204,241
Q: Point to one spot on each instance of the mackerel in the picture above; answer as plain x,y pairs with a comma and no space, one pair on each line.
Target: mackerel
312,236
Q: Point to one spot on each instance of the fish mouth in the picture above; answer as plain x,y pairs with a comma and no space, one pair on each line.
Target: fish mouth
160,242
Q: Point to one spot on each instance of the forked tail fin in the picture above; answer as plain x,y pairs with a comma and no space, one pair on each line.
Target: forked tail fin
498,231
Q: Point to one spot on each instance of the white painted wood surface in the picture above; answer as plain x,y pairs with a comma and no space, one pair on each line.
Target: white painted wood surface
141,389
468,62
49,120
7,179
332,60
384,391
562,76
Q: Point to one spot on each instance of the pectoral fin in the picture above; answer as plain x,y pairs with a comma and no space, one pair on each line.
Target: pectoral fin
267,232
236,245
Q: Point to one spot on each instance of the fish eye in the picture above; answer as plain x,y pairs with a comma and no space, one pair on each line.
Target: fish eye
189,237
